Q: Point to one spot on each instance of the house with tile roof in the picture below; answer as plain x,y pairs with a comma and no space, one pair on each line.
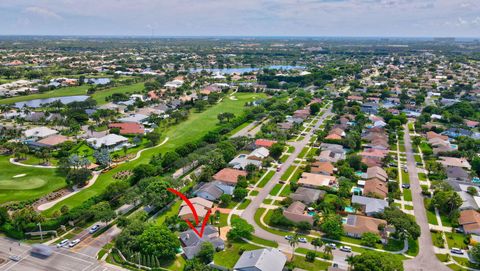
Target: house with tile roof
265,259
357,225
469,220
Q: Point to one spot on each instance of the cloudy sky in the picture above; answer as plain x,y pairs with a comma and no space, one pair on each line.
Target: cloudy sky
413,18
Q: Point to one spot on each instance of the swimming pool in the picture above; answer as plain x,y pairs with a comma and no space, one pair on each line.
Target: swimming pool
349,209
357,190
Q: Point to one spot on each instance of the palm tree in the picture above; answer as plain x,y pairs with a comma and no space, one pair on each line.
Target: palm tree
317,243
327,250
293,242
349,260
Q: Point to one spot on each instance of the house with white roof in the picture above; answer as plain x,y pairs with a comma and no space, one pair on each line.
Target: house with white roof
39,133
112,142
265,259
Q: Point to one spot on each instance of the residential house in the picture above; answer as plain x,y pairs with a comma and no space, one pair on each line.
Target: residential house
50,141
210,191
39,133
112,142
192,243
375,188
302,113
296,212
370,206
374,155
469,220
316,180
357,225
377,173
264,143
128,128
229,176
265,259
136,118
254,158
201,205
307,195
325,168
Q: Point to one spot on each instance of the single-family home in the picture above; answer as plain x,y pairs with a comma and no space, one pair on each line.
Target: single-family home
370,206
210,191
192,243
307,195
296,212
469,220
264,143
50,141
39,133
128,128
265,259
375,188
316,180
112,142
229,176
325,168
357,225
377,173
201,205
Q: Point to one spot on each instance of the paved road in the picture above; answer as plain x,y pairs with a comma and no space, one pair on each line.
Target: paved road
61,260
426,259
249,130
91,246
249,213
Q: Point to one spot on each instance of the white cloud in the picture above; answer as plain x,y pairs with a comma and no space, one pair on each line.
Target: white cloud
43,12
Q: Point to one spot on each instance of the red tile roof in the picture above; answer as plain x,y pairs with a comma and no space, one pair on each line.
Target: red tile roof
229,175
264,143
128,128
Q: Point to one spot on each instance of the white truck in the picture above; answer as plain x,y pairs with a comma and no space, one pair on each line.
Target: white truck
41,250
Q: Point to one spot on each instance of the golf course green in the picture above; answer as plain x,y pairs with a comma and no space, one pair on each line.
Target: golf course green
19,183
197,125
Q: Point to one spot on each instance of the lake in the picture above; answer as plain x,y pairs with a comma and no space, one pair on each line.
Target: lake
64,100
246,69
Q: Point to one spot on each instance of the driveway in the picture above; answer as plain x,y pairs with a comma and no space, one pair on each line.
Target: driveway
426,259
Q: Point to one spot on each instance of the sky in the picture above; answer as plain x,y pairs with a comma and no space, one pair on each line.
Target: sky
357,18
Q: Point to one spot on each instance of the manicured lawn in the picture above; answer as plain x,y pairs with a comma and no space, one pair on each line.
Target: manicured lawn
412,247
437,239
422,176
244,204
239,128
100,95
172,211
287,173
264,242
267,178
443,257
405,177
254,193
303,152
431,217
465,262
286,191
291,149
197,125
425,147
284,158
300,262
36,183
275,189
401,148
456,240
417,158
407,195
408,207
231,254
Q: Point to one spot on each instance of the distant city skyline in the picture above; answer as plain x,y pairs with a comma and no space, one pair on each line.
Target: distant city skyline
334,18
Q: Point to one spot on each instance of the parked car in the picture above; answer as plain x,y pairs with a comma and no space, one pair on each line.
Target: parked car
456,251
405,169
459,230
282,182
419,164
302,240
331,245
74,243
406,186
288,237
94,228
63,243
346,249
15,258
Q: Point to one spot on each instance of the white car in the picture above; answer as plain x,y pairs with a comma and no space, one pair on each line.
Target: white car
302,240
62,243
94,229
288,237
74,243
331,245
15,258
346,249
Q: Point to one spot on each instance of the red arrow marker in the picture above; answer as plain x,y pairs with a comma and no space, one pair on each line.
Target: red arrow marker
194,212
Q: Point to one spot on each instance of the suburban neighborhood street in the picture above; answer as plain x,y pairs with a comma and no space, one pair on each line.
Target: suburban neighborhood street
426,259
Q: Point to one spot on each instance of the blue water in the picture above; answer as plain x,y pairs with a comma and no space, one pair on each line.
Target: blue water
357,190
475,180
64,100
311,213
349,209
246,69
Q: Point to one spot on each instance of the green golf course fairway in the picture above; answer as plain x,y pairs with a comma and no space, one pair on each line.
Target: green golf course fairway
99,95
197,125
36,183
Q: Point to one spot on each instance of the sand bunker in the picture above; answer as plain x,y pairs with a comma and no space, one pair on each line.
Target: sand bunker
19,175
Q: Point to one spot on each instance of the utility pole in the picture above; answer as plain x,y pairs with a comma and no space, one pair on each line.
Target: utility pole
41,232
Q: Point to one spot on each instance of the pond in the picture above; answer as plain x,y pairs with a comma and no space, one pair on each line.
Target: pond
247,69
39,102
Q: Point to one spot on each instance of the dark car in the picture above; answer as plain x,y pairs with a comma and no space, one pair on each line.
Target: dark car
406,186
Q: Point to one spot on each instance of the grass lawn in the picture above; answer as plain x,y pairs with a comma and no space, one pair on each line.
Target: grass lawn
465,262
100,95
286,191
284,158
456,240
417,158
36,183
303,152
231,254
407,195
291,149
431,217
172,211
254,193
401,148
437,239
422,176
197,125
267,178
264,242
408,207
239,128
405,177
445,220
412,247
287,173
244,204
443,257
300,262
275,189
